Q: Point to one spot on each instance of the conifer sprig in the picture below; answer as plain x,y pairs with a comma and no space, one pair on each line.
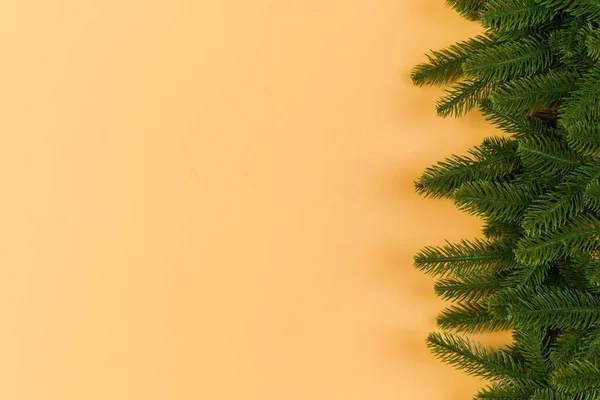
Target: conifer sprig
535,76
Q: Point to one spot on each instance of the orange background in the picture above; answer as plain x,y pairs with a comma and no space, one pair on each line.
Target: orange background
213,199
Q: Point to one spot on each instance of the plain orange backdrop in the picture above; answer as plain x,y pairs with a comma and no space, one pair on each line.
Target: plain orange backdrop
213,199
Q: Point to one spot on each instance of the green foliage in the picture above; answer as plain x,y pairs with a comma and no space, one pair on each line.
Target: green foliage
495,200
468,288
590,9
469,9
565,309
543,157
535,76
515,14
515,125
578,377
465,258
471,318
510,60
446,65
478,360
559,205
462,97
529,94
503,391
580,235
592,43
580,115
494,159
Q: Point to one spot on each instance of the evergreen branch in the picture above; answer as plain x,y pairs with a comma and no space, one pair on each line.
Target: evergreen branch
565,347
468,288
555,208
494,229
580,8
477,360
569,42
592,196
580,235
445,66
574,271
532,345
529,94
586,266
577,377
503,391
468,9
464,258
510,60
515,14
495,200
525,275
554,308
517,125
589,349
543,156
471,318
462,97
580,115
551,394
592,43
495,158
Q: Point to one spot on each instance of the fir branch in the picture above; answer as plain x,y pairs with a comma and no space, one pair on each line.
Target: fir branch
527,95
589,9
569,42
551,394
554,308
565,347
495,200
446,65
468,9
574,270
510,60
477,360
468,288
581,234
577,377
516,125
494,229
555,208
592,196
542,156
515,14
464,258
503,391
592,43
580,115
532,345
471,317
525,275
462,97
495,158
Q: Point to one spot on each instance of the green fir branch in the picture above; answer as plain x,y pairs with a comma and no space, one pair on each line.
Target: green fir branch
446,65
464,258
510,60
470,288
515,14
462,97
477,360
581,234
495,200
471,317
494,159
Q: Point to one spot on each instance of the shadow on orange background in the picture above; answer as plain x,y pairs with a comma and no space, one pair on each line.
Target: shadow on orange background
214,200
